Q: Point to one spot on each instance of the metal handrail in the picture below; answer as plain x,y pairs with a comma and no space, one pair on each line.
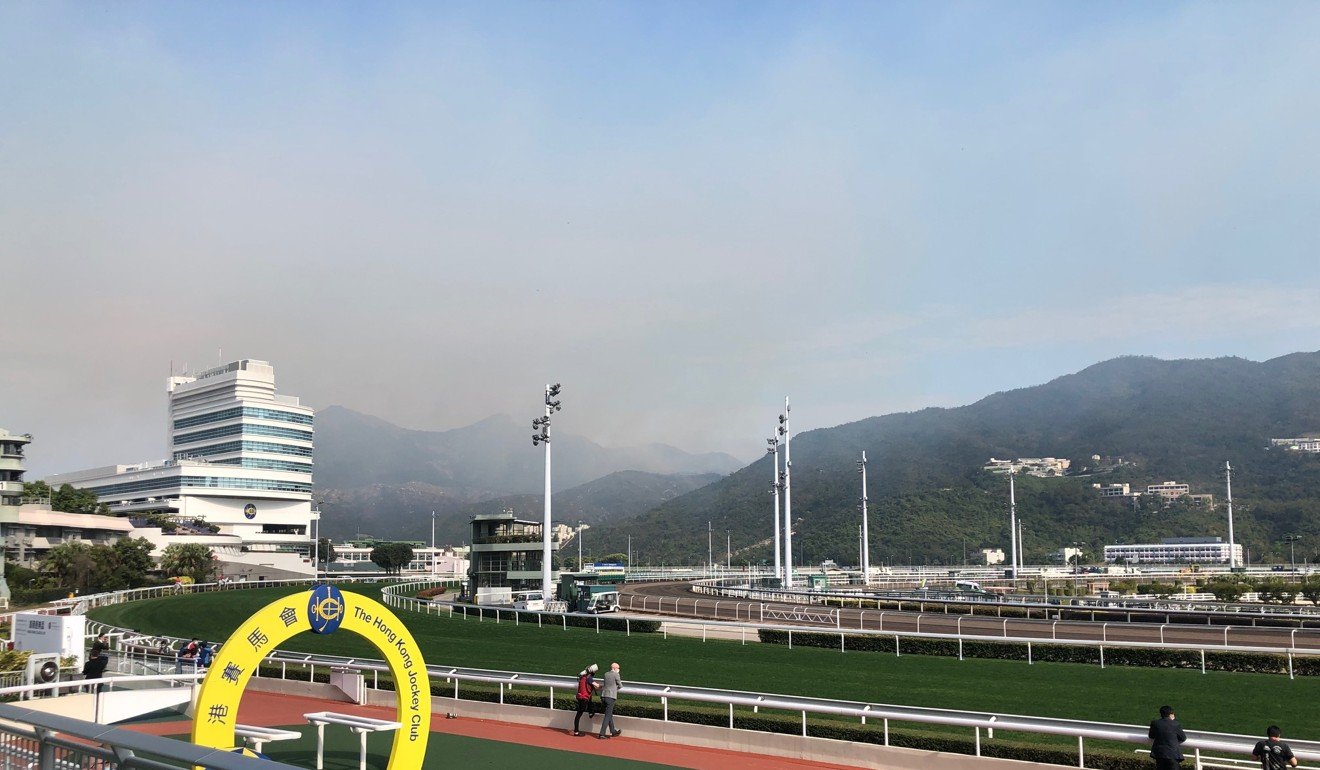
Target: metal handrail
117,746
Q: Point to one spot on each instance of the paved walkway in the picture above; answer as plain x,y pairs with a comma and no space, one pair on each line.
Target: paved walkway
270,710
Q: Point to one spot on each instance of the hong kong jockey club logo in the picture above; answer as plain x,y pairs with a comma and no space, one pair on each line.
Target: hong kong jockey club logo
250,511
325,609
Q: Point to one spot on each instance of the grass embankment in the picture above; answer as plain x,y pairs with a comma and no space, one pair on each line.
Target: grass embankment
1219,701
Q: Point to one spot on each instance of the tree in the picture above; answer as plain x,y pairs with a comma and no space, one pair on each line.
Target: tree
67,498
1226,590
1311,590
75,564
616,558
325,550
392,557
191,559
1277,591
132,562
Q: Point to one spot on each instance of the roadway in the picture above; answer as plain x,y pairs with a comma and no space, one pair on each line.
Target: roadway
677,599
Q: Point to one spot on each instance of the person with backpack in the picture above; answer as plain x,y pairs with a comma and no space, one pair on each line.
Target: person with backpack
1272,753
586,691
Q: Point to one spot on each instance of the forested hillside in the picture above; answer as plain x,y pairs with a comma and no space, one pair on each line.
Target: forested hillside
1178,420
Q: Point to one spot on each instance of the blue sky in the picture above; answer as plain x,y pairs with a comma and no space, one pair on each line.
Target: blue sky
682,211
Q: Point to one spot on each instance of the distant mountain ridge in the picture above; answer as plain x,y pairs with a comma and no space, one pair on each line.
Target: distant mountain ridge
377,476
1177,419
404,512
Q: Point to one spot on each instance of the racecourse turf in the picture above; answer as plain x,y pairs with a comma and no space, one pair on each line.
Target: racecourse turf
1218,701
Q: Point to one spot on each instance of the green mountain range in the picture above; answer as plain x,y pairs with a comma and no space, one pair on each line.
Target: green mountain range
930,500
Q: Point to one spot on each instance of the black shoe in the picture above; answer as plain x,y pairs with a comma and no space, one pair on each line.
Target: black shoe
577,734
603,737
618,733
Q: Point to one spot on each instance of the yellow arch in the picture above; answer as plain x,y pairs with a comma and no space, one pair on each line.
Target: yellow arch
282,619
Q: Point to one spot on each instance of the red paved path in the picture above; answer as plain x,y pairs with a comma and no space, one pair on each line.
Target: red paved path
270,710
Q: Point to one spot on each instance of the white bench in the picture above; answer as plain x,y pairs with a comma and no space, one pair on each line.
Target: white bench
260,736
357,724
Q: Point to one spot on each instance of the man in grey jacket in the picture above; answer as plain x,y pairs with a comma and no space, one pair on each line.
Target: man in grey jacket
609,692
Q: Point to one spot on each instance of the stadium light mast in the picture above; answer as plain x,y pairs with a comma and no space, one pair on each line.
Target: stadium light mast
1012,524
1228,484
786,432
542,436
776,484
866,534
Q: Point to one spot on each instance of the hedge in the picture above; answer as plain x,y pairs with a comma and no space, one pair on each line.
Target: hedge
1242,662
933,738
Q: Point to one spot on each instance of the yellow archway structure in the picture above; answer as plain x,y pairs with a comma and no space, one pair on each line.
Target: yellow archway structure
322,610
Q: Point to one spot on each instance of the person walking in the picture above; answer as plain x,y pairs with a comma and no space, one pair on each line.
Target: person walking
1272,753
1166,735
586,692
609,692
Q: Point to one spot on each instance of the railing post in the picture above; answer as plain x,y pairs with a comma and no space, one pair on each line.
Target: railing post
886,731
1081,752
1029,661
804,724
978,740
1202,660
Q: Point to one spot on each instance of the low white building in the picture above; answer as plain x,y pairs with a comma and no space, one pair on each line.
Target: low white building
992,556
1030,466
1303,444
1175,550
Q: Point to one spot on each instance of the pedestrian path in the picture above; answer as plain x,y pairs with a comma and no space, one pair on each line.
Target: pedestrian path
481,742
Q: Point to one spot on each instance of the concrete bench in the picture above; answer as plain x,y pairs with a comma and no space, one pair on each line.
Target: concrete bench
357,724
260,736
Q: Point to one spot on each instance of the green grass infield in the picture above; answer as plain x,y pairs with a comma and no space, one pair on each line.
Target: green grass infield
1218,701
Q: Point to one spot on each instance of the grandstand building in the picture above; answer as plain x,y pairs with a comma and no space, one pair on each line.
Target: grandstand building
1175,550
238,478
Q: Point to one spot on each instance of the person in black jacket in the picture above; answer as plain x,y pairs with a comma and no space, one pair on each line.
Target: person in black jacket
1166,734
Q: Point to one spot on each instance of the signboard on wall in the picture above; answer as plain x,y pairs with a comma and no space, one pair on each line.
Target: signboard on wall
63,634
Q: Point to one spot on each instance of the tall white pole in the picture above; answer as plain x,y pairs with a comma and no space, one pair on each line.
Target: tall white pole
1022,547
1228,482
866,533
788,495
774,486
432,542
629,565
710,560
728,549
316,545
1012,525
579,539
546,580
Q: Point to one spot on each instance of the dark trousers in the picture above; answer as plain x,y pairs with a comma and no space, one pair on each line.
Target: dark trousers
607,721
1166,764
584,704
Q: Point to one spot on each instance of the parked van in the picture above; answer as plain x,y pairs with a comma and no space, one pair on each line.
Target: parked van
533,601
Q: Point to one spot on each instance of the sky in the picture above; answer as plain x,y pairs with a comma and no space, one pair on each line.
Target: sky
682,211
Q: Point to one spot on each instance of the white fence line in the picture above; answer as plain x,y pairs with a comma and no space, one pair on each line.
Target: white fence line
393,596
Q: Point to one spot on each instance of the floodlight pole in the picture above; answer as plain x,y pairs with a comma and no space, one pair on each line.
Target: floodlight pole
432,542
787,432
775,484
866,534
1012,524
579,539
542,424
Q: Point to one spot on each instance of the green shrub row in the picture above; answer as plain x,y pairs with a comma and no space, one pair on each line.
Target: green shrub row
1242,662
837,728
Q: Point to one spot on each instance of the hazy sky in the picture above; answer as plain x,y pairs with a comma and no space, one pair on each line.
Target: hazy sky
682,211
